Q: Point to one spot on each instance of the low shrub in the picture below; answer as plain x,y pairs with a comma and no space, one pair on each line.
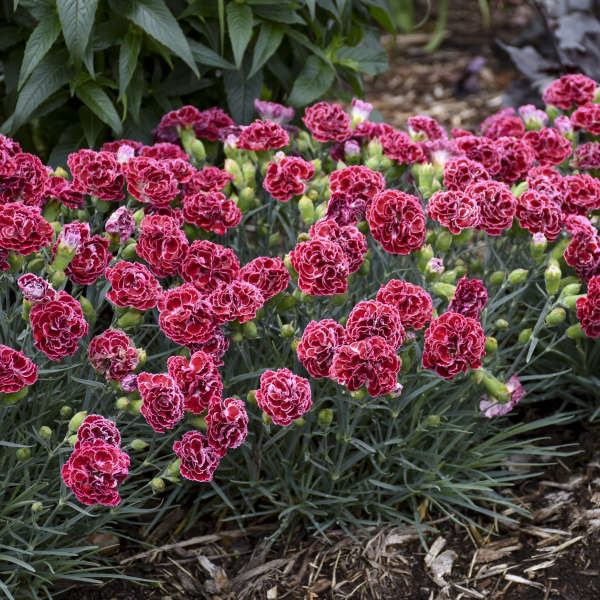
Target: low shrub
342,327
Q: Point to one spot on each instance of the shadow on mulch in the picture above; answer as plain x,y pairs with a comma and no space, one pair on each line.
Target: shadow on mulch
553,555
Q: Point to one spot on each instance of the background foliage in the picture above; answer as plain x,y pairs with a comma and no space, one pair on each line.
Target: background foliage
77,72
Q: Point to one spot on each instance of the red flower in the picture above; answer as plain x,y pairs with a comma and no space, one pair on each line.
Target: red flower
546,181
549,147
162,401
318,344
371,318
150,180
182,117
327,122
117,144
587,156
211,211
207,264
96,427
215,346
93,472
263,135
23,229
163,151
583,254
97,174
62,190
579,224
199,460
516,158
453,342
186,316
212,120
460,172
539,214
349,238
470,298
322,267
454,210
502,126
199,380
482,150
132,285
121,223
34,288
397,221
90,260
4,264
235,300
371,362
268,274
412,302
570,90
588,309
226,424
285,178
161,244
9,146
283,396
113,355
24,179
181,169
497,206
16,370
352,189
580,193
57,325
398,146
428,126
208,179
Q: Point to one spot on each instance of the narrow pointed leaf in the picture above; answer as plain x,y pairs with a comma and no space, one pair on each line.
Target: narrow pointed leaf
239,23
269,39
77,18
97,100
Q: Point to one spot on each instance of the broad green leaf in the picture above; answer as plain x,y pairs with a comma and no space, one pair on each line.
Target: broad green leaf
91,125
128,58
157,21
371,60
203,55
48,77
77,18
269,39
381,12
304,41
239,24
241,93
279,14
311,8
314,81
97,100
39,43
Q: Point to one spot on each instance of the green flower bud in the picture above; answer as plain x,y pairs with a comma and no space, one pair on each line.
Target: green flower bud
325,417
445,290
386,163
66,411
525,335
307,210
575,332
129,252
131,318
496,388
365,268
501,324
88,309
249,173
433,420
123,403
60,172
555,317
359,394
232,167
558,250
318,164
299,422
274,239
570,289
443,241
138,216
251,396
266,419
37,507
538,246
320,211
374,149
552,112
287,261
135,407
497,277
517,276
23,454
45,432
294,344
237,337
570,302
285,303
198,150
425,255
491,344
552,277
466,235
77,420
36,265
287,330
138,444
249,329
373,162
303,237
187,137
11,398
245,200
51,210
174,466
158,485
448,276
475,265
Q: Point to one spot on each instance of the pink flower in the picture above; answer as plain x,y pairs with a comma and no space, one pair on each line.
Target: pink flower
494,408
